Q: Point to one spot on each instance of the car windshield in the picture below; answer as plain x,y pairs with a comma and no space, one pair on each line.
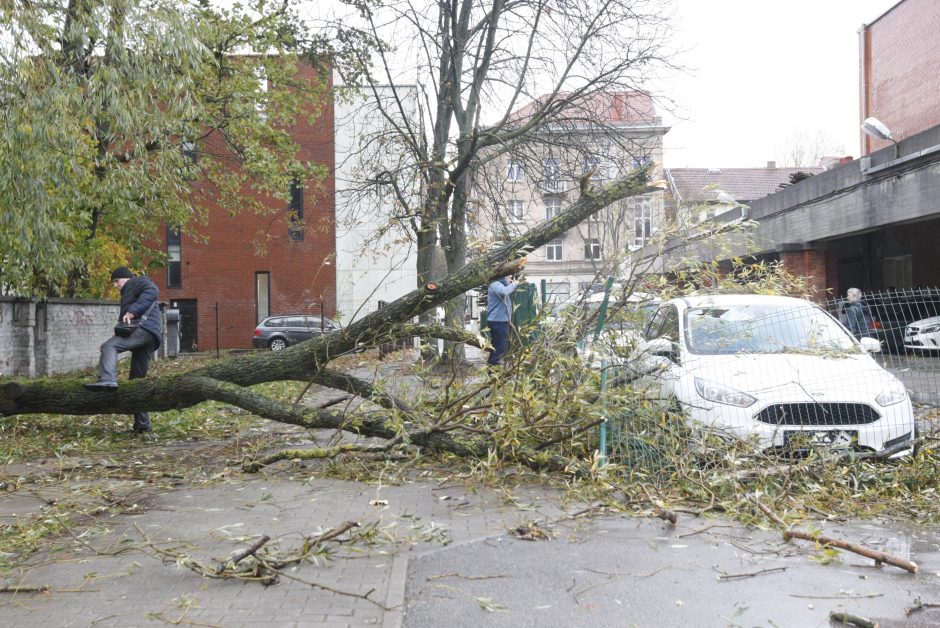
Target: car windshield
742,328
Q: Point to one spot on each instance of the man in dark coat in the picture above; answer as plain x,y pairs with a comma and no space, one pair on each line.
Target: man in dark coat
138,302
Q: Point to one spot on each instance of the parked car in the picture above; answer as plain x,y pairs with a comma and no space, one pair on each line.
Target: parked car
776,370
923,335
891,312
279,332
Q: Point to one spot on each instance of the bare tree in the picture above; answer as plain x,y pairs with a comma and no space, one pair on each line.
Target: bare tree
804,148
477,63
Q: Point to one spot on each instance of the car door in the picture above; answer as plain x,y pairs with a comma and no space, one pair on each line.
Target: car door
657,358
297,329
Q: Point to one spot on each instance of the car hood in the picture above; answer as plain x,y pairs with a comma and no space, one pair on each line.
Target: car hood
794,376
924,322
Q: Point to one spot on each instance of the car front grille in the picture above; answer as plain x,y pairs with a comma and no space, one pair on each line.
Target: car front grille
828,414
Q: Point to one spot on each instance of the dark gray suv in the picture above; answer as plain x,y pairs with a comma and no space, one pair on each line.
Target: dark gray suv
278,332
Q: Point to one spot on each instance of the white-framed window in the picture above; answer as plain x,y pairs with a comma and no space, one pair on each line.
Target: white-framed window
262,104
552,173
641,160
597,164
552,206
515,210
553,250
515,171
642,220
592,248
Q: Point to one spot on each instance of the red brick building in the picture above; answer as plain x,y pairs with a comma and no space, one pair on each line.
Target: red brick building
899,54
222,286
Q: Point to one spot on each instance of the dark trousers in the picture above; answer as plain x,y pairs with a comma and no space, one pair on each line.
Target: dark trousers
499,338
141,344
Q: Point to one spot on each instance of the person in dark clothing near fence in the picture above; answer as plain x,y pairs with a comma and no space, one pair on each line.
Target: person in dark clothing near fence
498,315
138,303
857,318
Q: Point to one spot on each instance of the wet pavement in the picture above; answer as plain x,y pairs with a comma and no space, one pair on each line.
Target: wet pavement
442,554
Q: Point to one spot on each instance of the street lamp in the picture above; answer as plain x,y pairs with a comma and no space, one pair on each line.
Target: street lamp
873,127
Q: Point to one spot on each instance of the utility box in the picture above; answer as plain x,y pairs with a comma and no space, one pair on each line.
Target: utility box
172,339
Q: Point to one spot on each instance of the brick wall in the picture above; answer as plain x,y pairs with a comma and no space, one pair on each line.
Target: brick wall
899,82
221,270
57,336
809,264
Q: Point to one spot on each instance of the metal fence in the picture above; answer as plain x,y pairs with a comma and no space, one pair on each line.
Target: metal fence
771,373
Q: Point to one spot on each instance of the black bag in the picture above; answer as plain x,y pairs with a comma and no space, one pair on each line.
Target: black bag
124,330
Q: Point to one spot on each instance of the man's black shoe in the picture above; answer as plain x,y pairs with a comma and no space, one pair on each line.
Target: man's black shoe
101,386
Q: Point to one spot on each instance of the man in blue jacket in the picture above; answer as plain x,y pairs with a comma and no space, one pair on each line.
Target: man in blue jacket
138,302
498,315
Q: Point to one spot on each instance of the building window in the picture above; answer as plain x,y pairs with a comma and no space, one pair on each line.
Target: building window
592,248
261,104
189,151
516,211
552,173
516,171
641,160
642,220
557,291
595,163
552,207
174,258
295,212
553,250
262,295
898,272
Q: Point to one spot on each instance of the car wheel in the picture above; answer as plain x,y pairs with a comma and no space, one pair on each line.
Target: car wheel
277,344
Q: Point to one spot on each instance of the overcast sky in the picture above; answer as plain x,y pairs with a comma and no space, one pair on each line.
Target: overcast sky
761,74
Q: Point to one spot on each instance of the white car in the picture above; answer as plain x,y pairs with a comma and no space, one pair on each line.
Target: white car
923,334
778,371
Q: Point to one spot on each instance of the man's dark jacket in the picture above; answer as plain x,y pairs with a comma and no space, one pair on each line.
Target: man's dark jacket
137,295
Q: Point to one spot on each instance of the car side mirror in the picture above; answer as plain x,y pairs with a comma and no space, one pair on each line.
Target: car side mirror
871,345
663,348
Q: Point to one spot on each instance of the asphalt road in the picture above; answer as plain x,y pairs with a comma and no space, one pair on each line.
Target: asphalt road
619,571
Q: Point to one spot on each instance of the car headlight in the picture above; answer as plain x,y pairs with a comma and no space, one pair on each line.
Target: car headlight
722,394
929,329
891,396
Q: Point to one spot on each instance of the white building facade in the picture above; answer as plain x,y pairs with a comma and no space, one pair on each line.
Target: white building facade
515,191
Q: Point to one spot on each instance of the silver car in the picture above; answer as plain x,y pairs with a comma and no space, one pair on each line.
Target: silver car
279,332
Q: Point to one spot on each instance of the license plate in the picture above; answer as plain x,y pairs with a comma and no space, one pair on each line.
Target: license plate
832,439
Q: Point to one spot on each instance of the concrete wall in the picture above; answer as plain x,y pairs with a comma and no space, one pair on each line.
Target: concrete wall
58,336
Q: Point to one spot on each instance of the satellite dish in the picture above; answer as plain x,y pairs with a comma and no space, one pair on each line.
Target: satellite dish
876,128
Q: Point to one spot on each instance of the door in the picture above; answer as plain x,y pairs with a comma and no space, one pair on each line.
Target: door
189,324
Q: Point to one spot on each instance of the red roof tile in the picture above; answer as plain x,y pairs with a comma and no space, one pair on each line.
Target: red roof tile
741,184
620,108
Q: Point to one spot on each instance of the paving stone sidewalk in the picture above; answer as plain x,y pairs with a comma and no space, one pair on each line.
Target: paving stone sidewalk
108,578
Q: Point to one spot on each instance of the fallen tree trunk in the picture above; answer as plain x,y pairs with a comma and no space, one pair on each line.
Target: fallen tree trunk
228,380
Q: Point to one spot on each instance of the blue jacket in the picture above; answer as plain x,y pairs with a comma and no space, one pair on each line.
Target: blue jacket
498,303
137,295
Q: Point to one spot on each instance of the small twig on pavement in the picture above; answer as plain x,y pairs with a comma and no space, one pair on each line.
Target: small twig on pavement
454,574
852,620
248,552
919,606
733,576
25,588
